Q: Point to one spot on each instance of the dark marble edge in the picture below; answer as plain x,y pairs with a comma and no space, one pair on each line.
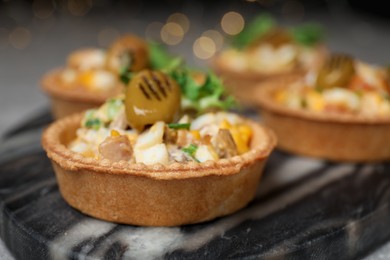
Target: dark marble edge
29,139
38,119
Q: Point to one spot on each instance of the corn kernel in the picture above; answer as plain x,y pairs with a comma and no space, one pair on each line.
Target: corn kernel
115,133
242,146
88,153
225,124
315,101
195,134
86,79
246,132
281,97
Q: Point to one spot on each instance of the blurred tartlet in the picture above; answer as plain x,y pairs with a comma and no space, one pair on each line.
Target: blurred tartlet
92,75
155,158
265,51
340,112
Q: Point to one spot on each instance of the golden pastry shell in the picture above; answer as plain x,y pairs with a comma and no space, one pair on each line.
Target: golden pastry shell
337,137
155,195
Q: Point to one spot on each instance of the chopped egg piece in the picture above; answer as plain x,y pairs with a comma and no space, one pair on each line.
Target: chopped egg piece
203,120
98,80
152,155
343,97
151,137
87,59
205,153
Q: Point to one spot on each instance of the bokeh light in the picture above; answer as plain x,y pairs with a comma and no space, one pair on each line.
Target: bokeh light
152,31
172,33
216,36
20,38
204,48
107,35
180,19
79,7
232,23
43,9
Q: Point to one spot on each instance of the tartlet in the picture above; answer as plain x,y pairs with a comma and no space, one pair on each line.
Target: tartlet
170,174
335,123
264,52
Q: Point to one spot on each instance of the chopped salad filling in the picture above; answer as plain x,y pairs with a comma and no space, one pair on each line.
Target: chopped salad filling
342,85
104,133
159,120
263,46
86,68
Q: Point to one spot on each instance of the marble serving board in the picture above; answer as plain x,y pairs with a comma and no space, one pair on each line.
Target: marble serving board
304,209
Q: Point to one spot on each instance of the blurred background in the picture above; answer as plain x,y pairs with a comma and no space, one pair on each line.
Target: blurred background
37,35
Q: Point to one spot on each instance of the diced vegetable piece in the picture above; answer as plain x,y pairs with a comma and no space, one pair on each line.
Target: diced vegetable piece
152,155
151,137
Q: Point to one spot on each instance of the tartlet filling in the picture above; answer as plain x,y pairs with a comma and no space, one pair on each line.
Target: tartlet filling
105,134
342,85
266,58
263,46
165,117
86,69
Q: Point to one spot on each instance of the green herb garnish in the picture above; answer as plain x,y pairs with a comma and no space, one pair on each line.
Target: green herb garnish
179,126
113,107
202,96
191,150
308,34
255,29
161,59
93,123
125,75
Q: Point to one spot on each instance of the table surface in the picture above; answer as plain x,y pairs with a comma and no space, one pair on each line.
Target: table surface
366,37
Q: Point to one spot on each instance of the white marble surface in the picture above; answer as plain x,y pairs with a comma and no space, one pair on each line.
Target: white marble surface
20,69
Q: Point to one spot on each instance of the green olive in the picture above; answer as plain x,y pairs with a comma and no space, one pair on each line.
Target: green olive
275,37
128,52
151,96
337,71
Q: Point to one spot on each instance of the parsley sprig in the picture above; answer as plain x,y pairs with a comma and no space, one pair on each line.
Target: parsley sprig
308,34
202,96
191,151
256,28
179,126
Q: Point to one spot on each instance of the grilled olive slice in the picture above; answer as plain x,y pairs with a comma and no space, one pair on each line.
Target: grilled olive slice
151,96
128,52
337,71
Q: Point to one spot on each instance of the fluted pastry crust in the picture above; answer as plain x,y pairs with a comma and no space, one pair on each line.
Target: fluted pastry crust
338,137
155,195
